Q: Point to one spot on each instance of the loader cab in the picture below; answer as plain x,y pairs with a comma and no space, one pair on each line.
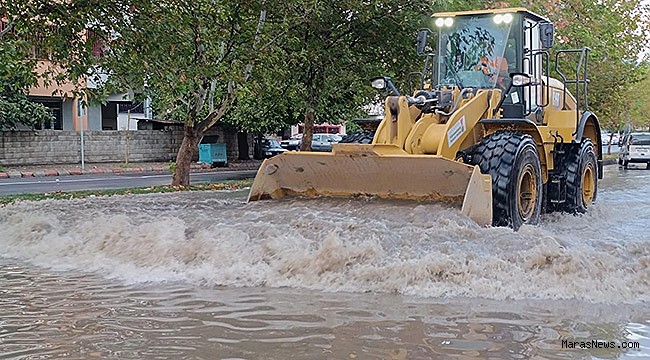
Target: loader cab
482,49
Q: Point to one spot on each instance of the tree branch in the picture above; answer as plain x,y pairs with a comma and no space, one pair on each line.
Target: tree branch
221,110
7,28
227,101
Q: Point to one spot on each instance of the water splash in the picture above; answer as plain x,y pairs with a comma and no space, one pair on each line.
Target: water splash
354,245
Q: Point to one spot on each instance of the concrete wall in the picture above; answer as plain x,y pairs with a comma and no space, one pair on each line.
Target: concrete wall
46,147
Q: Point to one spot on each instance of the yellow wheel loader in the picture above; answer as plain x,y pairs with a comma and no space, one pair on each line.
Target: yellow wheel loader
487,128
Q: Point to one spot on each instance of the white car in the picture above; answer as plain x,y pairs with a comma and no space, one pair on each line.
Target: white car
323,142
635,148
293,143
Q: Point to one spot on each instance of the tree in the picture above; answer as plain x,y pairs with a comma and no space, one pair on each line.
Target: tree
192,57
617,32
639,111
329,50
55,35
16,76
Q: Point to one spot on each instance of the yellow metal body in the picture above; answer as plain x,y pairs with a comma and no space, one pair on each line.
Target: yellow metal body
413,156
382,170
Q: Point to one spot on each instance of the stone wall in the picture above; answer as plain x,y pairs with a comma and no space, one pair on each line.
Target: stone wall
45,147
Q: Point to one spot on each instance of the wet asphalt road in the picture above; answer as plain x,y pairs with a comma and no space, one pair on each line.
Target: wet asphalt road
109,181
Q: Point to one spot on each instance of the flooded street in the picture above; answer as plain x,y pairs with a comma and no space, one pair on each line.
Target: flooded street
205,275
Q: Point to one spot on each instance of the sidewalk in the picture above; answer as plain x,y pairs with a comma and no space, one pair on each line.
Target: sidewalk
113,168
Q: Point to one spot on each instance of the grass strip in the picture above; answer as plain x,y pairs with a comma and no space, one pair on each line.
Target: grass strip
225,185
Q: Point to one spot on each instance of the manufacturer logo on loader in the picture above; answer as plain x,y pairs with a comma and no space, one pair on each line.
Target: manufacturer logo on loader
456,131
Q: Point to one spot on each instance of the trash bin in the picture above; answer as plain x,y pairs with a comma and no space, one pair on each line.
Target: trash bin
213,154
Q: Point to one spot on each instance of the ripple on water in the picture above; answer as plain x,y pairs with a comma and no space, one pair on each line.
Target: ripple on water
86,316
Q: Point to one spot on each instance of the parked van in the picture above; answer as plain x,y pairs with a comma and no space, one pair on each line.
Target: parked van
635,148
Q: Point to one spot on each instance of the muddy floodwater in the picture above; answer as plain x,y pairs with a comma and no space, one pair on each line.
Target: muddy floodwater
207,276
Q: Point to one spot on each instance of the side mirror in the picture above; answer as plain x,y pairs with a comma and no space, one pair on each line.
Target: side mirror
422,41
379,83
546,34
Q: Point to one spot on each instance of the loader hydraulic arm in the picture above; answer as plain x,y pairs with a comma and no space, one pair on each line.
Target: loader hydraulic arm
419,125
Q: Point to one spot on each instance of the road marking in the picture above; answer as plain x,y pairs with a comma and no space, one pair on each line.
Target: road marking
108,179
57,182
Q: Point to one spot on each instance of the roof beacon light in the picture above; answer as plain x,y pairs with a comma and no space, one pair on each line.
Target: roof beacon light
449,22
440,22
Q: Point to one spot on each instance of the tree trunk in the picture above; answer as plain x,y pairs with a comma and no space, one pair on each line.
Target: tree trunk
308,134
242,143
312,83
187,151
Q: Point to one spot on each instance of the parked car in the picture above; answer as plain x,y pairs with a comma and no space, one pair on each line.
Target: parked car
323,142
267,147
293,143
635,148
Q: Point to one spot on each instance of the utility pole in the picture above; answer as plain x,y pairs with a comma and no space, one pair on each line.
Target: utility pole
128,133
81,132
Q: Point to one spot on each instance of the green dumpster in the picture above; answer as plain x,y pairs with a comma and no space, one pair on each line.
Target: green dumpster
213,154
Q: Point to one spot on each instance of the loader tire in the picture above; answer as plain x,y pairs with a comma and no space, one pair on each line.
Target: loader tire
581,171
511,158
359,137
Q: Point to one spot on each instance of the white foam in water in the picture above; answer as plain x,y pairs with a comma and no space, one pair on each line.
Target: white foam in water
334,245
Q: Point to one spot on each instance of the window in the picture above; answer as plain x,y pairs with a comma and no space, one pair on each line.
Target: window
640,139
40,51
56,123
98,46
472,52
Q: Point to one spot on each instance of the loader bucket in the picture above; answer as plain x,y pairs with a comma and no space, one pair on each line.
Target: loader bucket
384,171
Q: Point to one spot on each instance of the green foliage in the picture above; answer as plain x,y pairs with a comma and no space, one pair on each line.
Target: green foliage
17,110
194,58
322,57
617,32
352,126
218,186
46,30
190,56
16,76
172,167
639,111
